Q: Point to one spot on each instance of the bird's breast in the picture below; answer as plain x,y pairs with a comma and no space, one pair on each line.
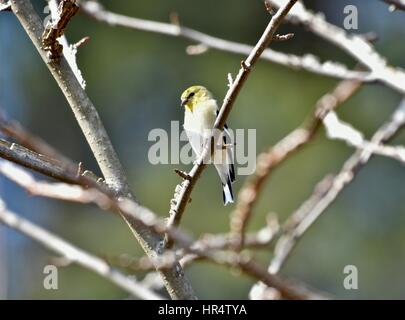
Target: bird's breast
202,118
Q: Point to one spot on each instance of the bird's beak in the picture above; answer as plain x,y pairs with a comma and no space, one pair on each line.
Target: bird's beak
184,102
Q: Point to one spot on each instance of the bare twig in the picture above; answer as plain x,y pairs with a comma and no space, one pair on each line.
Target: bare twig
338,129
262,239
98,195
80,43
48,166
168,259
182,174
75,254
100,144
396,4
283,37
5,6
259,239
104,197
56,28
60,191
183,191
326,193
308,62
21,135
288,288
275,156
69,51
353,44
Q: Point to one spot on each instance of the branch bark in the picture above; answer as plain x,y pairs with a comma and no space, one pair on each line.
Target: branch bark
21,135
276,155
353,44
326,193
74,254
182,197
168,259
100,144
307,62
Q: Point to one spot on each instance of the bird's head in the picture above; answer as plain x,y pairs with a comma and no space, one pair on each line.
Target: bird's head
193,96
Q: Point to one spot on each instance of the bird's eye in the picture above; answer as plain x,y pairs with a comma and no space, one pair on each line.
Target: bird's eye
191,95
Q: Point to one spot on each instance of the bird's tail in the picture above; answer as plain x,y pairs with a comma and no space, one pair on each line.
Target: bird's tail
227,192
223,161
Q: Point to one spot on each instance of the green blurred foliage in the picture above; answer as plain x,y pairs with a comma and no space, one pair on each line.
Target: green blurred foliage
135,80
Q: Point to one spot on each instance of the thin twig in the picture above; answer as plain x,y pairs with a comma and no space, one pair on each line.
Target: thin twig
262,239
396,4
183,191
324,196
168,259
307,62
98,195
74,254
55,28
5,6
281,151
48,166
69,51
27,139
338,129
84,110
353,44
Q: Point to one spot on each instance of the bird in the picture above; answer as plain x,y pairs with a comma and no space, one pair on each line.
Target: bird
200,112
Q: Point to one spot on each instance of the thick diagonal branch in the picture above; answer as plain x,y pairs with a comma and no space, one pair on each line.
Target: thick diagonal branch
99,142
182,197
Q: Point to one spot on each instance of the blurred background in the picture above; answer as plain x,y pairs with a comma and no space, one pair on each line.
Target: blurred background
135,79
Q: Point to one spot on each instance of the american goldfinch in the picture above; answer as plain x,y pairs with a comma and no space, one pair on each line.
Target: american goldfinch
201,111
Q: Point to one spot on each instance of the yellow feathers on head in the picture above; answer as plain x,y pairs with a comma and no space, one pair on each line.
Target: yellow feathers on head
193,96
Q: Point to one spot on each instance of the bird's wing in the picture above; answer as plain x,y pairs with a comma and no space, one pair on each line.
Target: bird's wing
196,140
228,144
196,130
224,163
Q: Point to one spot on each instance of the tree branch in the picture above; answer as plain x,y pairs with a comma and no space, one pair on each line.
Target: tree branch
396,4
183,192
262,239
43,164
340,130
82,107
276,155
99,142
326,193
353,44
308,62
168,259
74,254
69,51
21,135
5,6
55,28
